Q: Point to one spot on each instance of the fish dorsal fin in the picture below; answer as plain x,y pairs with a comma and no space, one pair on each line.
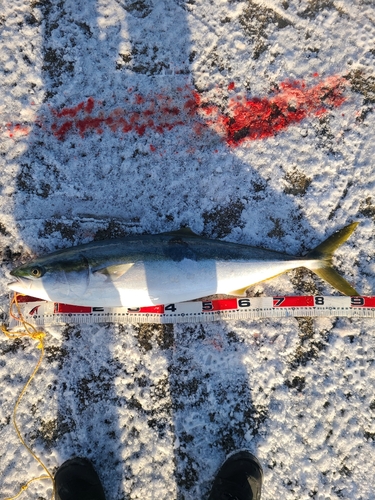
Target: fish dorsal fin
183,231
241,292
115,272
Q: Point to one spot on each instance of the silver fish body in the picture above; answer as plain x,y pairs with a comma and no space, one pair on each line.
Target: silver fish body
171,267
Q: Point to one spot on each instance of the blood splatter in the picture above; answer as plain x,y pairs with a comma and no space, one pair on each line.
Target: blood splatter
70,112
17,129
244,119
259,118
89,105
138,114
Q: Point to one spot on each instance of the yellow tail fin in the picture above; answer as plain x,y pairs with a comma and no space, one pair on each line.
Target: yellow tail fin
324,253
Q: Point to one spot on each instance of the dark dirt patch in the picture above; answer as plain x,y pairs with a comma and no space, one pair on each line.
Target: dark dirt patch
325,137
58,64
13,346
3,230
56,354
362,84
277,231
234,338
369,435
5,422
147,334
258,22
85,28
9,255
67,231
314,8
27,182
139,8
297,383
144,59
125,58
71,331
367,208
160,390
304,281
113,230
306,327
220,221
94,388
298,182
253,415
50,431
214,60
55,63
165,339
310,343
188,477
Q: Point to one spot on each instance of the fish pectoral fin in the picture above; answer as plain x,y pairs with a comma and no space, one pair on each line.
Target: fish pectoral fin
115,272
241,292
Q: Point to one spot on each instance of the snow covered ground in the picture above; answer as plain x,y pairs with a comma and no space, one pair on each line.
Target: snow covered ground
250,121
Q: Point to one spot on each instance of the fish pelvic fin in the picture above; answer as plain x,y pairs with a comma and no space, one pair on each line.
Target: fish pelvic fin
323,253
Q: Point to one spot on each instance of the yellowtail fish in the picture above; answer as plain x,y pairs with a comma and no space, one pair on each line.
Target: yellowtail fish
138,271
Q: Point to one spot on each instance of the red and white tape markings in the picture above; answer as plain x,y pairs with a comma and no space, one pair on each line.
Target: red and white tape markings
41,313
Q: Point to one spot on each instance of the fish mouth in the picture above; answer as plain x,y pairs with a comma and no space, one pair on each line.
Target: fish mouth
17,273
20,284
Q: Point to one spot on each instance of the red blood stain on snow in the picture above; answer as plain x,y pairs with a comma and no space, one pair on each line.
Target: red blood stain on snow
259,118
17,129
244,119
87,107
139,99
138,114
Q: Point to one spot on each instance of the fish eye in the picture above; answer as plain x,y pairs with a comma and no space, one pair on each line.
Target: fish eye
36,272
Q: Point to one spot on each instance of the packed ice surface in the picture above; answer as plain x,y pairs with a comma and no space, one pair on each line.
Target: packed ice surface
249,121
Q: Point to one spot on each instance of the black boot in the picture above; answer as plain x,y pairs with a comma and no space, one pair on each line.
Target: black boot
239,478
76,479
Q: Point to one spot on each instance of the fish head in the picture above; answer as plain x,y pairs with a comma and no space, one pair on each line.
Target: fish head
55,278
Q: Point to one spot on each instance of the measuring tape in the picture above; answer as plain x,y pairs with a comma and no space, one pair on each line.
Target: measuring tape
42,313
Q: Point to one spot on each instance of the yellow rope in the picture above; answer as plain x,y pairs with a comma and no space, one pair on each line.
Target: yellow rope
31,332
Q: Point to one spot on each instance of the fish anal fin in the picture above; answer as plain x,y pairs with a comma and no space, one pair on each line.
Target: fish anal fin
241,292
116,271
